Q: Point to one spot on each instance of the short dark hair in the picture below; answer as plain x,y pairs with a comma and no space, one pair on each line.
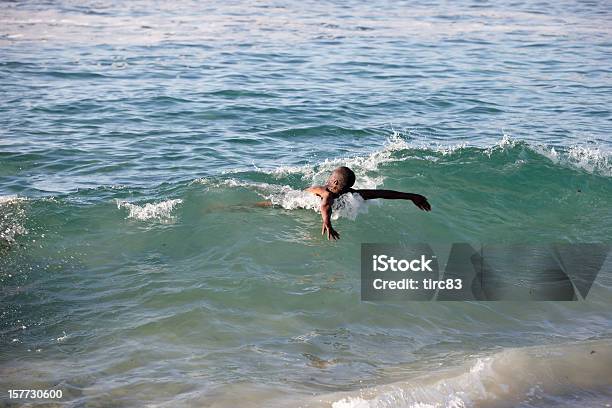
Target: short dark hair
344,175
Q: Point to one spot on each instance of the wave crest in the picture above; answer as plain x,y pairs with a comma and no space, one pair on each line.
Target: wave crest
513,376
12,218
161,210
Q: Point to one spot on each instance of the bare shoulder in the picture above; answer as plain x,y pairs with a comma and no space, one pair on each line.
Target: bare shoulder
321,191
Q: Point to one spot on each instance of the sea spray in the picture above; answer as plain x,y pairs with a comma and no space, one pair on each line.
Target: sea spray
346,206
160,210
12,219
513,377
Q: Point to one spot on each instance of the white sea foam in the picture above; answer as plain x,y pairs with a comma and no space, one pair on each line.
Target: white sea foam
512,376
62,338
11,199
591,158
588,156
506,142
360,164
12,218
346,206
161,210
351,402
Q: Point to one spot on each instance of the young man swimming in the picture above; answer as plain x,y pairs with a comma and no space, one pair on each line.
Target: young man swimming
340,182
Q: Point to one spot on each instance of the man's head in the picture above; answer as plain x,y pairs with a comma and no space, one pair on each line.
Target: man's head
340,180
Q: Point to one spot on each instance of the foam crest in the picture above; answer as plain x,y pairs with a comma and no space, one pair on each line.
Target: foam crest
513,376
360,164
11,199
591,158
161,210
346,206
12,218
506,142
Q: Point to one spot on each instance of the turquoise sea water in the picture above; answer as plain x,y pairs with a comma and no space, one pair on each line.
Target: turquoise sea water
136,138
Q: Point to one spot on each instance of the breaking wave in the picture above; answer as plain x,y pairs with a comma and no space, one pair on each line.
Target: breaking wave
12,219
161,210
531,376
371,174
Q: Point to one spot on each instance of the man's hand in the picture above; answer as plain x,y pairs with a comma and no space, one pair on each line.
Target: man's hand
421,202
330,231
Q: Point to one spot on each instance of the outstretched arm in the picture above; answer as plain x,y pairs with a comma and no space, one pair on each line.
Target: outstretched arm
418,200
326,210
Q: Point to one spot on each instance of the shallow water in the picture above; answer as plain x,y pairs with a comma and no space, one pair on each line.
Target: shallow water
136,139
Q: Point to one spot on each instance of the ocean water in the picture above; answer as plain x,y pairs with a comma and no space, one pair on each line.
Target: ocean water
136,138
